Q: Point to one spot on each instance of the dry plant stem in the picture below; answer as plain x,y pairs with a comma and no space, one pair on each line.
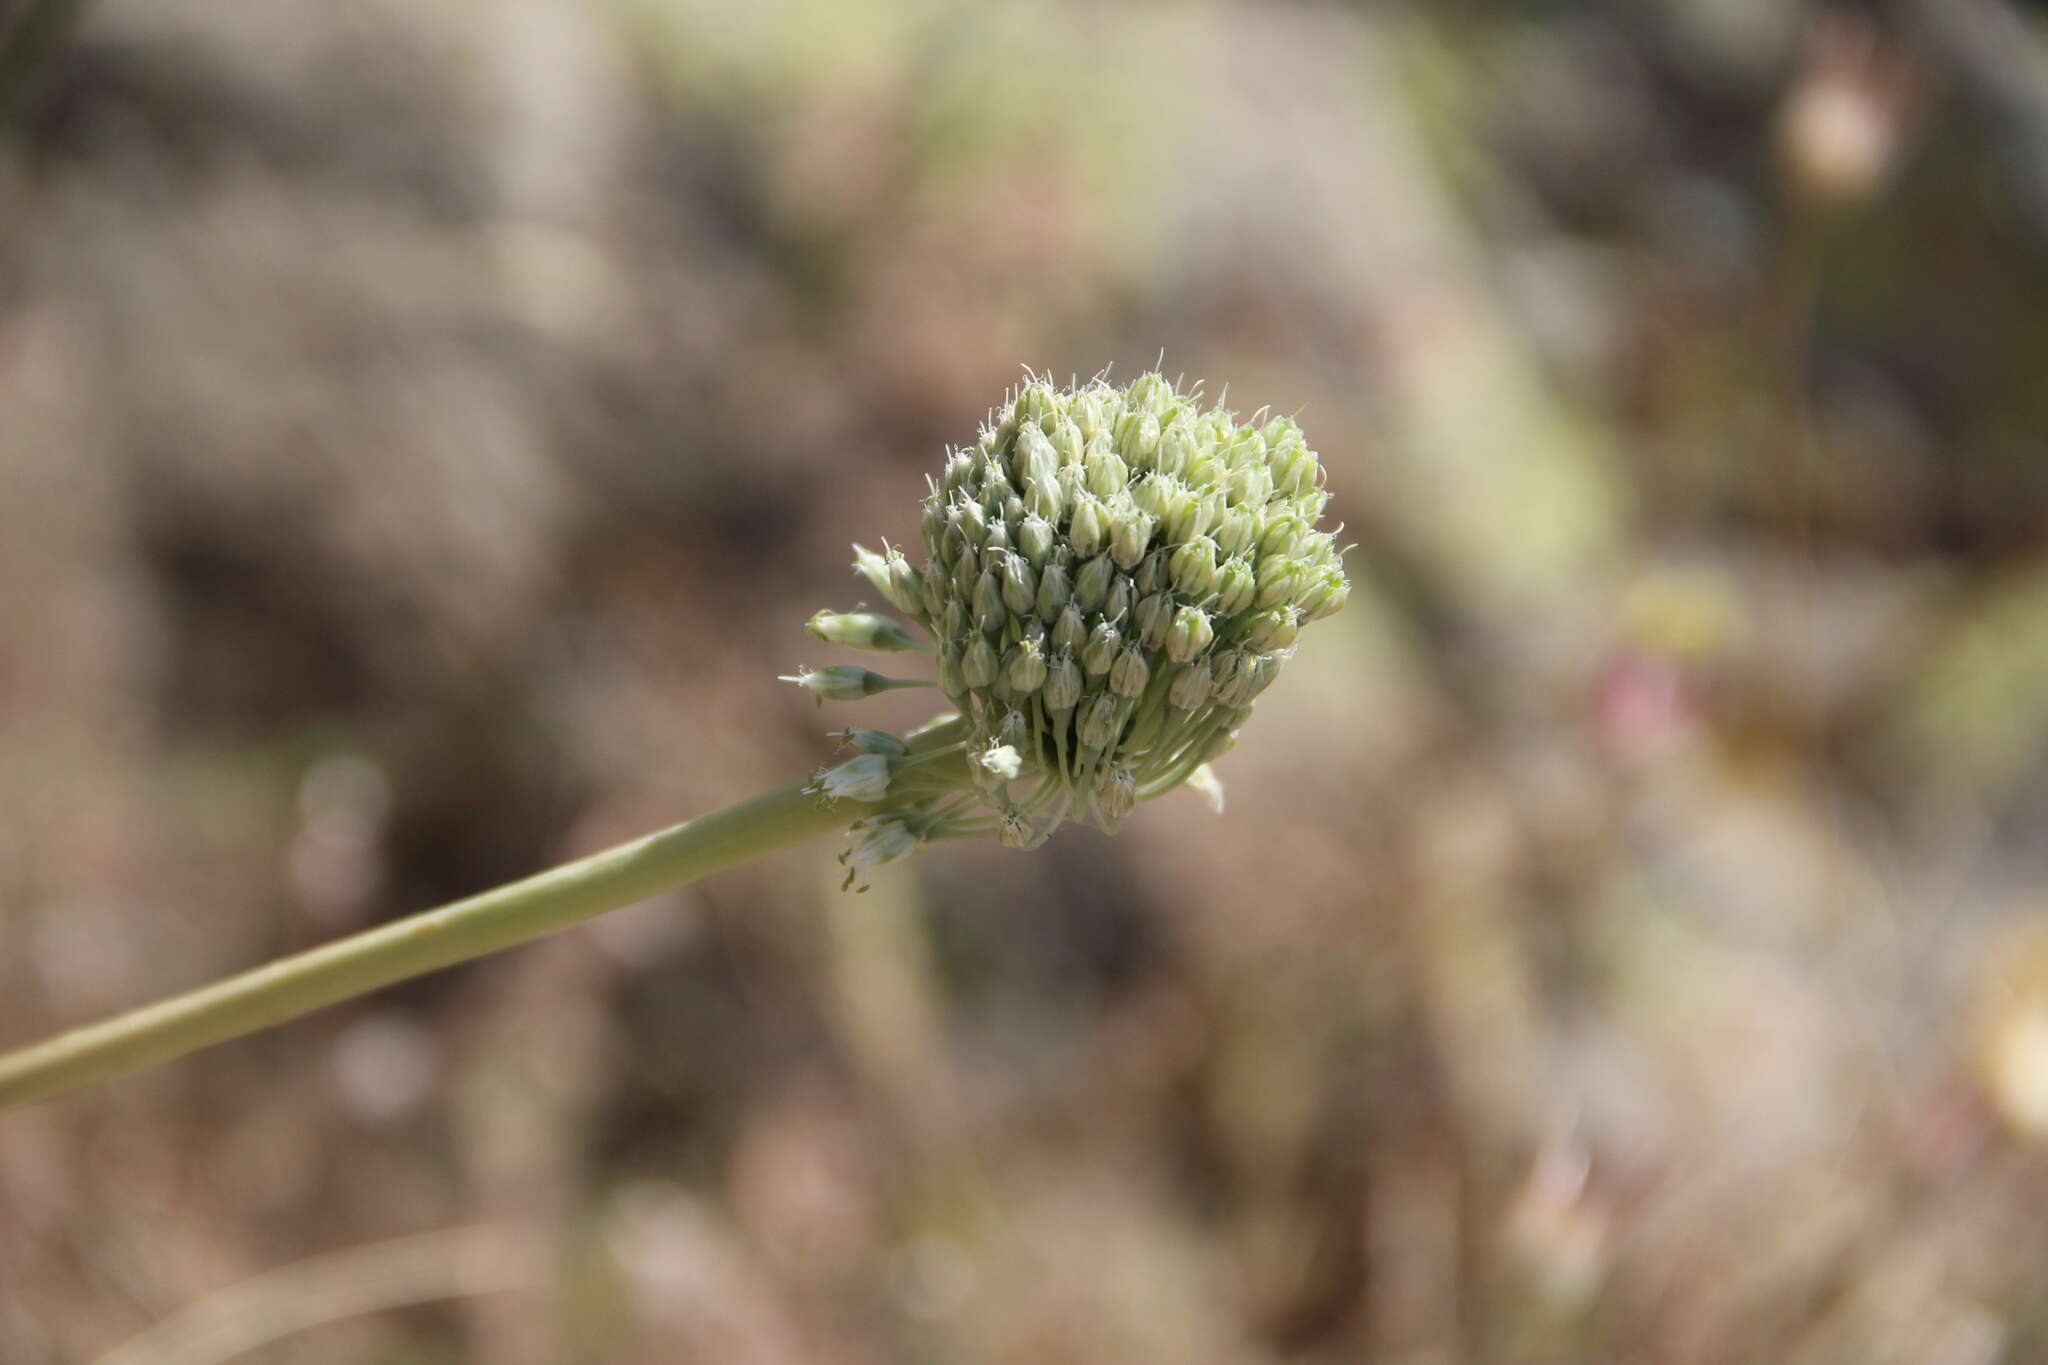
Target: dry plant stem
422,943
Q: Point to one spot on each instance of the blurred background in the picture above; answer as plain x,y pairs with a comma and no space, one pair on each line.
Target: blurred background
424,430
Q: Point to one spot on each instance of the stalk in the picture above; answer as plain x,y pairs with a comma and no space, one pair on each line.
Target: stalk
425,942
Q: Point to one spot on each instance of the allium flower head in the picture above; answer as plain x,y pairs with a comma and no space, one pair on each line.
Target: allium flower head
1111,577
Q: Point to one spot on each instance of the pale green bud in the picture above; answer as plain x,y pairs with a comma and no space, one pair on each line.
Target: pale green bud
1153,575
1024,667
953,625
1236,531
1036,460
1176,450
1055,591
1103,644
1194,567
1236,586
1107,475
969,520
845,682
989,611
1089,530
1062,682
1137,439
1189,635
1020,585
1193,514
1067,441
1122,597
1070,631
875,742
952,680
892,576
1129,674
978,665
1154,618
1275,628
1325,595
1095,723
1117,795
862,630
1130,537
1190,686
1036,538
1225,668
1294,467
1250,485
1249,678
1092,584
1280,581
966,570
1150,392
1156,494
1282,534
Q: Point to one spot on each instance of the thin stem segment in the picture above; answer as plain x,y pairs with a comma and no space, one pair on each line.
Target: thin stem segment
421,943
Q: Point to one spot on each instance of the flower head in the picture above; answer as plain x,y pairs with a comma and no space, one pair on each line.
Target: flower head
1111,575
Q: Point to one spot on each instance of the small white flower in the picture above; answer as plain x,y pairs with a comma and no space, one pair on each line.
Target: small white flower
1001,760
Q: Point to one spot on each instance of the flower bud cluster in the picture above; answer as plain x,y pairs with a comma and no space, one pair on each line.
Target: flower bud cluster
1112,576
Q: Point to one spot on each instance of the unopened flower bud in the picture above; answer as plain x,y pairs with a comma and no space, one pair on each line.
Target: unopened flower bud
1190,634
1070,631
1131,537
1137,439
862,630
892,576
1096,721
1129,674
989,611
1280,581
1104,642
1152,574
1024,667
888,838
1123,596
978,665
1091,585
1324,595
1020,586
1236,531
1194,567
845,682
1089,530
1154,618
1036,538
1062,682
875,742
1275,628
1190,686
1107,475
1055,592
1117,795
1236,586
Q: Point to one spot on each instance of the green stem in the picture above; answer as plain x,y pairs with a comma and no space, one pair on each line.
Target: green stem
422,943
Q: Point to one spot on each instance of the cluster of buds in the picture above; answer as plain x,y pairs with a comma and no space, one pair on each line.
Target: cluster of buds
1111,577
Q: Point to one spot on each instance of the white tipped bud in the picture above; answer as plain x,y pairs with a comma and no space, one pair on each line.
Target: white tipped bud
1236,587
1275,628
